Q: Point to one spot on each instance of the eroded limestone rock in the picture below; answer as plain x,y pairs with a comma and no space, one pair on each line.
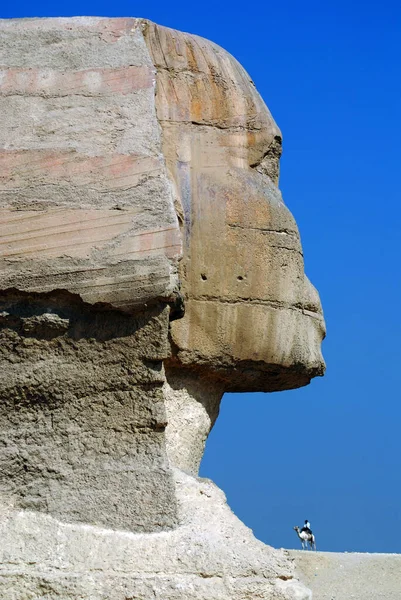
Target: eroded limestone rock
251,314
139,173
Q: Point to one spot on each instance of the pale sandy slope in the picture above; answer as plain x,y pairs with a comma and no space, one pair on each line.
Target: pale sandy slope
349,576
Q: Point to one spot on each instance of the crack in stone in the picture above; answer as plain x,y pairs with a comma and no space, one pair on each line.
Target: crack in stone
310,311
265,230
217,125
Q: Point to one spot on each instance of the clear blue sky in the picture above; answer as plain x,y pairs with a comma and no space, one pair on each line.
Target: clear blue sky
330,74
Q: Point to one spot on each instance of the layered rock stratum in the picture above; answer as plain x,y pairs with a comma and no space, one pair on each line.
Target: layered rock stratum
147,265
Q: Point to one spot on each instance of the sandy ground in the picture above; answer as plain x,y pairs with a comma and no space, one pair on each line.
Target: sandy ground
349,576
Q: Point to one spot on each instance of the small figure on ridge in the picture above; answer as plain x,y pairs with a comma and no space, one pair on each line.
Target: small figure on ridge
307,527
306,536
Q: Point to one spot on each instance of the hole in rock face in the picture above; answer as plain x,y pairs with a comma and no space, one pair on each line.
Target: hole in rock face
203,277
240,278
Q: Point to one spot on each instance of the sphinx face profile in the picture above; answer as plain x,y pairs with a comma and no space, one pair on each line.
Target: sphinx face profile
181,123
252,318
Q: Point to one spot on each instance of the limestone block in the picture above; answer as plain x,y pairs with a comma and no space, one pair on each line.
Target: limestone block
82,415
85,201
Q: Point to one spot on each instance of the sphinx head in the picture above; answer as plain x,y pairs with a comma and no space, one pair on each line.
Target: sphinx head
253,320
136,160
178,187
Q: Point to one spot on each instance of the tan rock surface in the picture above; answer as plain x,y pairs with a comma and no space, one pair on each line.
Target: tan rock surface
85,200
342,576
125,147
248,302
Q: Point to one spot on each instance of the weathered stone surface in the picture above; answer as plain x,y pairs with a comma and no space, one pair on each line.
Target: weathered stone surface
345,575
125,148
210,556
251,314
192,406
85,199
82,414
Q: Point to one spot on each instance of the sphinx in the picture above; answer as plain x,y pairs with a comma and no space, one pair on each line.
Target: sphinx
148,264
